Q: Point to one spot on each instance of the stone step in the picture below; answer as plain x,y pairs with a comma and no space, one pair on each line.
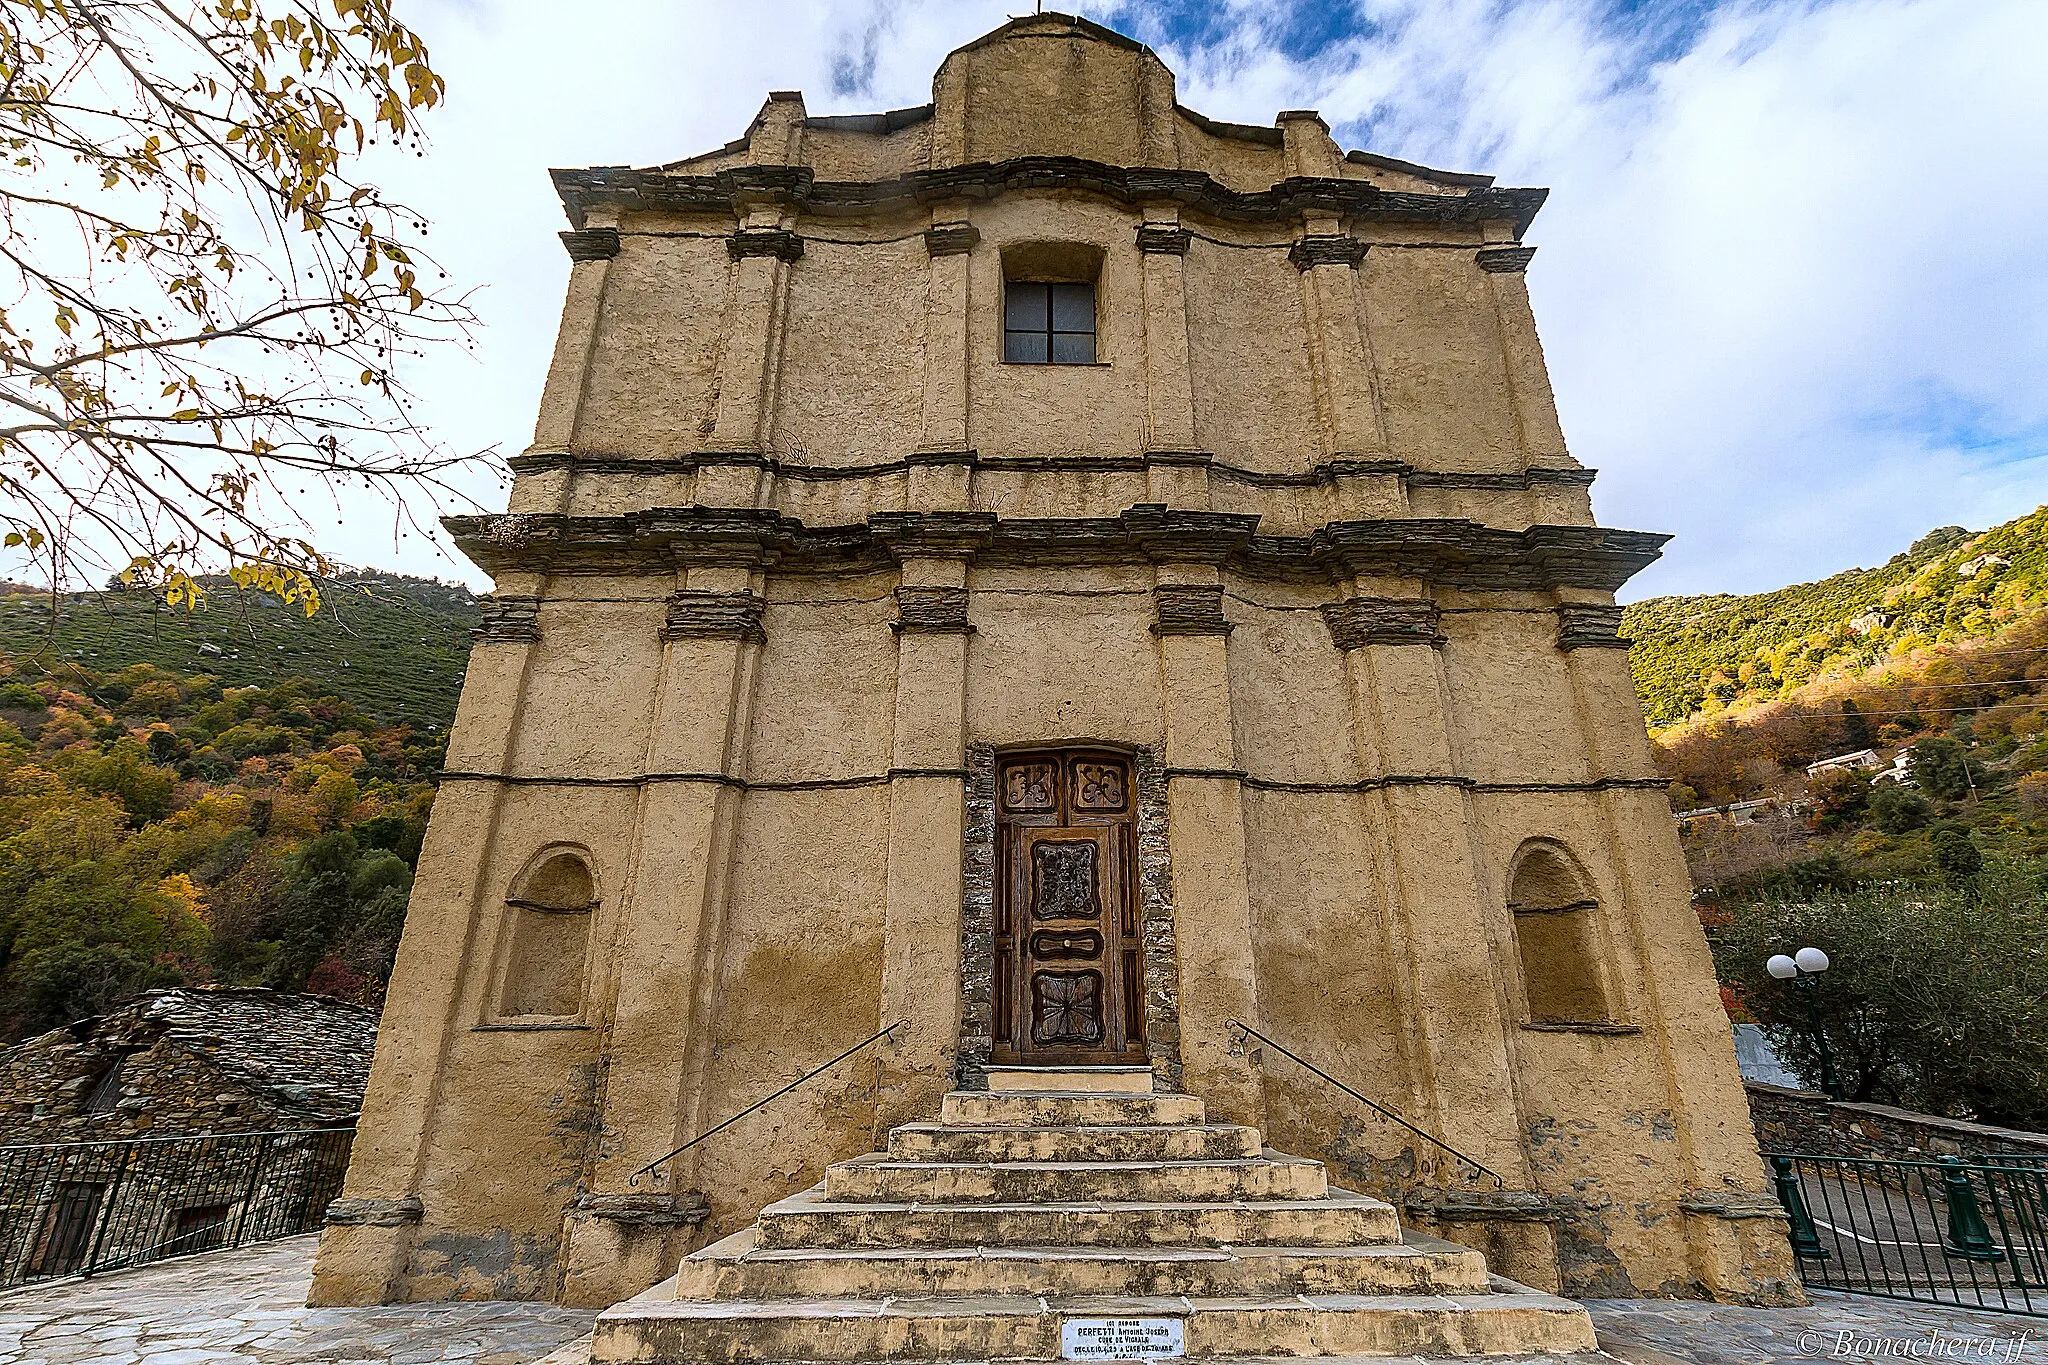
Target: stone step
1156,1142
659,1329
1128,1080
877,1179
811,1219
736,1268
1065,1109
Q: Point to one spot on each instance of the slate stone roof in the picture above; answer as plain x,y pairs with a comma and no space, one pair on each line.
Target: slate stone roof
306,1053
190,1060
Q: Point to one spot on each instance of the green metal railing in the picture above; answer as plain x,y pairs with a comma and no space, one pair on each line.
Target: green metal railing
1971,1234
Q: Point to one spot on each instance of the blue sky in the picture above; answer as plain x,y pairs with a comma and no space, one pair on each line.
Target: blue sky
1790,280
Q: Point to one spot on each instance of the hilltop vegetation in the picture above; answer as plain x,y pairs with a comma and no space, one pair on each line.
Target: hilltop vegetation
394,646
163,825
1702,654
1922,869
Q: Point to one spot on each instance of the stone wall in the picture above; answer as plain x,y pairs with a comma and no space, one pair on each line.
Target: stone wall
1808,1122
176,1062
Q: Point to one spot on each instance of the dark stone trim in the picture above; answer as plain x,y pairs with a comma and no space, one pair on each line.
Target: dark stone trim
1155,916
507,621
1471,784
1326,248
591,244
1444,551
712,779
1157,239
1594,1026
545,1026
931,611
686,1208
784,246
375,1213
951,239
1328,471
1482,1206
1360,621
1506,260
627,189
1586,625
1189,609
714,616
933,535
977,923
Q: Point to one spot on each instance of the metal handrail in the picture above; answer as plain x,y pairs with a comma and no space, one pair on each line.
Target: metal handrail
1498,1180
633,1180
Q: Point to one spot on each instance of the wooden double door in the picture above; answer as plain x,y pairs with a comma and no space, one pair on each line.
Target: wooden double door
1069,958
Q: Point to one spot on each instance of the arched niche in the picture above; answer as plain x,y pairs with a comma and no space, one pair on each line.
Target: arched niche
549,909
1558,937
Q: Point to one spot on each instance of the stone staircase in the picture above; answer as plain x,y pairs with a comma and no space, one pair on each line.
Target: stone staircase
1064,1199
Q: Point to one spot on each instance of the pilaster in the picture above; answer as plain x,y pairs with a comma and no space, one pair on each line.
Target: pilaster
591,252
1206,833
950,241
1539,436
365,1251
1340,358
1439,907
1169,386
629,1228
927,812
763,250
1737,1253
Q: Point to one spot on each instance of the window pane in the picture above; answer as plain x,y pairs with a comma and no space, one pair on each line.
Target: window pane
1073,348
1073,307
1024,348
1024,306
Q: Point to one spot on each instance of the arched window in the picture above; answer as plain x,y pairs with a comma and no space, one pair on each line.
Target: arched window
1558,936
549,909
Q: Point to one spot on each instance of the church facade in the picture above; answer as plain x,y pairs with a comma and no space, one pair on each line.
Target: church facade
1077,584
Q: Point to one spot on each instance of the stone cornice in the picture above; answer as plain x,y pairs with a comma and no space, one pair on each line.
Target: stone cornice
1361,621
714,616
507,621
591,244
626,189
951,239
1327,471
1189,609
1326,249
1156,239
1506,260
931,611
784,246
1445,552
1170,537
1589,625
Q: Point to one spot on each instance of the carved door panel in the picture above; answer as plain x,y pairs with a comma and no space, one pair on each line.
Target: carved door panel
1069,958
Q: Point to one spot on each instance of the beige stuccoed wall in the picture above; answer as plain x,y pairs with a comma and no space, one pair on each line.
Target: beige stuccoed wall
770,782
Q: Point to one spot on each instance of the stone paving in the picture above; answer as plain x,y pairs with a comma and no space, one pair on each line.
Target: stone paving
247,1307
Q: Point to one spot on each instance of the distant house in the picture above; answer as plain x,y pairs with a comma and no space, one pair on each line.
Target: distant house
1863,760
181,1061
1900,771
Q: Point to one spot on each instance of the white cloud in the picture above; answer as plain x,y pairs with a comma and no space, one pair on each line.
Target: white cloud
1790,280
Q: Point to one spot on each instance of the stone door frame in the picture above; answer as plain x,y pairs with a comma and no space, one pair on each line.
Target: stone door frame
1155,913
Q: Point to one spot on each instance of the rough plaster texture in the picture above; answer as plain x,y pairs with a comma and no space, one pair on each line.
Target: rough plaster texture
779,392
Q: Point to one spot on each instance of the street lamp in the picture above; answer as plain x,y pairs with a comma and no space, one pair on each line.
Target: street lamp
1800,969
